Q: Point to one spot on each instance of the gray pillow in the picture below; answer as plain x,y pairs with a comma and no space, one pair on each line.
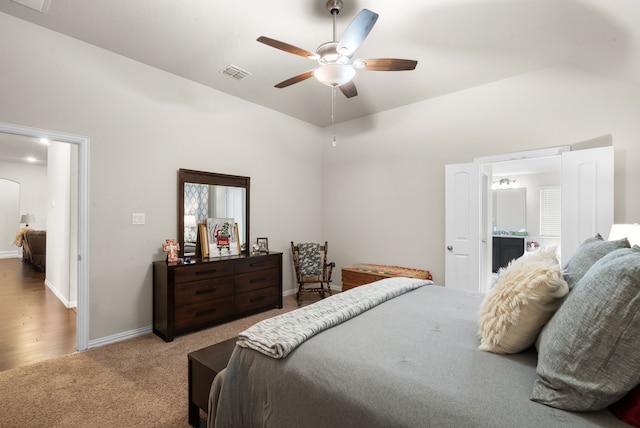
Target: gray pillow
587,253
588,355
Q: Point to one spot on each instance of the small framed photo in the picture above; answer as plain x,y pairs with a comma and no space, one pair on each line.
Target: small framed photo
263,245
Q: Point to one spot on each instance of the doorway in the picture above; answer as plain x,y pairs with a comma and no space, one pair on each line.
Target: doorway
586,209
81,227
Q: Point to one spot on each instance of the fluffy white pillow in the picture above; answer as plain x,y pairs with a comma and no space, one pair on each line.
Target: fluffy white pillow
523,299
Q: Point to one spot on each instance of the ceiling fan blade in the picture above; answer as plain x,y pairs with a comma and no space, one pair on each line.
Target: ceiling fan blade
357,31
287,47
349,89
295,79
385,64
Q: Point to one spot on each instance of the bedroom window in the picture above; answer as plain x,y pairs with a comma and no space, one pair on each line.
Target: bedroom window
550,211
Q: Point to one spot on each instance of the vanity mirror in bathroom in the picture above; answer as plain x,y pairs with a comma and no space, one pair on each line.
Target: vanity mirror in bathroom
509,210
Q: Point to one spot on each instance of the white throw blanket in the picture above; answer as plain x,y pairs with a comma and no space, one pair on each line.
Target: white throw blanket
276,337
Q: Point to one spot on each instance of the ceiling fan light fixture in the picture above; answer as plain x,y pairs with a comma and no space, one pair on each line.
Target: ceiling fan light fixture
334,74
328,54
335,57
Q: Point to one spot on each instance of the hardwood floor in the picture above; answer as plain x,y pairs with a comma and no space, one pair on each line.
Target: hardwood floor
34,324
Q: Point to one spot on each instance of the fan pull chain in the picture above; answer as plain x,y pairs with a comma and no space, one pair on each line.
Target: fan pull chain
333,125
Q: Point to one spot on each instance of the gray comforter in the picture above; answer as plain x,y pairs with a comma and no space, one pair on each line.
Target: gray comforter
409,362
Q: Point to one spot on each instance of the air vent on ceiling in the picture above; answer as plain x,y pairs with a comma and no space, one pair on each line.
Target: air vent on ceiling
235,72
41,6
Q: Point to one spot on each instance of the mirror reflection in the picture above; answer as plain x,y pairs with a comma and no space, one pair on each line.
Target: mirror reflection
203,201
205,195
509,210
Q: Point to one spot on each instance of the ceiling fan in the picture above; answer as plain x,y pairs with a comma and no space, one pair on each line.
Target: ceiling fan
336,67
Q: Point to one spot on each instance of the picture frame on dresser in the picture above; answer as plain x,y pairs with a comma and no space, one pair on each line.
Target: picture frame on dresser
263,245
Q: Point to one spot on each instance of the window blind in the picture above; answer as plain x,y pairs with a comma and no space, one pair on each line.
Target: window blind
550,211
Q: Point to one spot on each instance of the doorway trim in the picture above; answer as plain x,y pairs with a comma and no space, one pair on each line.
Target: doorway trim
82,320
527,154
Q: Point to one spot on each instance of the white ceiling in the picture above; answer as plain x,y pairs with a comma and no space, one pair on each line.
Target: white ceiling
18,149
458,44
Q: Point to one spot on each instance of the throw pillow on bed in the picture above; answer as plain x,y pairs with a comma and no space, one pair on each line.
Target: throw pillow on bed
526,295
588,354
628,407
587,253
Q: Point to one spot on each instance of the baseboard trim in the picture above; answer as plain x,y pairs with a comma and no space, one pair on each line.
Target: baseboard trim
9,255
145,330
68,304
120,337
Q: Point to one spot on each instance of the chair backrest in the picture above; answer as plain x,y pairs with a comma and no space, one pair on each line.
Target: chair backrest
309,259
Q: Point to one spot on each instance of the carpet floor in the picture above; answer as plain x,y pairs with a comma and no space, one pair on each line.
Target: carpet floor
140,382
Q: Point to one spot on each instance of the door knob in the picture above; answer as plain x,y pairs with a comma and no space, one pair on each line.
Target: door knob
449,247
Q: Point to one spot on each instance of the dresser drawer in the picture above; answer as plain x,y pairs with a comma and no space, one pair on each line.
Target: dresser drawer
246,302
206,289
252,264
202,313
256,280
203,271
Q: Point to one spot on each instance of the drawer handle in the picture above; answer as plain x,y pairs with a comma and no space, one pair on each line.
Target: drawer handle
257,264
206,291
206,312
257,299
261,279
206,272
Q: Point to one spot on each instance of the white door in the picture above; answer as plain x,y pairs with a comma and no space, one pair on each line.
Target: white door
587,197
462,226
486,237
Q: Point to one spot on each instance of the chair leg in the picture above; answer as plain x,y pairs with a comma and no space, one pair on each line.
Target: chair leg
323,290
328,290
300,290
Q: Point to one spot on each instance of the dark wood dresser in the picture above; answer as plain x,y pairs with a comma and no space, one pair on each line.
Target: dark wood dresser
212,291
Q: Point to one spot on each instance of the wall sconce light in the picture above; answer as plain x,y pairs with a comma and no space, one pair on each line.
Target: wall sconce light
504,183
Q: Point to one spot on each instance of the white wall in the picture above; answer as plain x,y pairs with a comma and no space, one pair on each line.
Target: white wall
58,275
143,125
33,190
383,188
9,217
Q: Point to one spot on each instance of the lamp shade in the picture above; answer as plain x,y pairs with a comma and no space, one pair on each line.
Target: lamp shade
629,231
27,218
190,221
334,74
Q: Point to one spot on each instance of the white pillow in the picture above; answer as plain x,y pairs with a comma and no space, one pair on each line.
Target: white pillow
523,299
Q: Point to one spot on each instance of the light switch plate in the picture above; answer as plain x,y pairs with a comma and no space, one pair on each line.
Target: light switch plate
138,218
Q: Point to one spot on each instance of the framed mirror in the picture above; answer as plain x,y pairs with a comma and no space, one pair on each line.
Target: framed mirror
203,195
510,209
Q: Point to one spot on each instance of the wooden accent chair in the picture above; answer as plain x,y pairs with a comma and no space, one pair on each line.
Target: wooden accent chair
310,262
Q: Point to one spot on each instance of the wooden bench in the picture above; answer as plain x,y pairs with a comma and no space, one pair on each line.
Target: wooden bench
364,273
204,365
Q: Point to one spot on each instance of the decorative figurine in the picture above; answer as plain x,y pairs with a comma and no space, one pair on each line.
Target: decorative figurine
171,247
